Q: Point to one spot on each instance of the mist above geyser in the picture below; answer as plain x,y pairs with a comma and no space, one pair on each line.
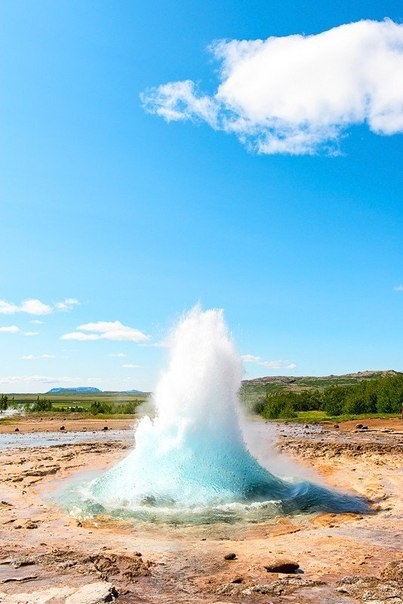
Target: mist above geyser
191,457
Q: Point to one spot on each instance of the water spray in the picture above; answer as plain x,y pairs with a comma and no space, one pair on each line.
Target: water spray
191,459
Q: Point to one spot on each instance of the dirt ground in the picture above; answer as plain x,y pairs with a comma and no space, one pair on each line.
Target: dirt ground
49,557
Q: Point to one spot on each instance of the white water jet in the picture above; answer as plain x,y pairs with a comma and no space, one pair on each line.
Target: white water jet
192,455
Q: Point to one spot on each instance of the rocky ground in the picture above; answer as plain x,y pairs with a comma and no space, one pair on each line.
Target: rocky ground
49,557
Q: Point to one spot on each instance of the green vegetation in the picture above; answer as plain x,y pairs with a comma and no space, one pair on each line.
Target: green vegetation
39,405
100,403
3,402
368,394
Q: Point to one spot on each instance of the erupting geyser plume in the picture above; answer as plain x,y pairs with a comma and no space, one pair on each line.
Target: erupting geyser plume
192,456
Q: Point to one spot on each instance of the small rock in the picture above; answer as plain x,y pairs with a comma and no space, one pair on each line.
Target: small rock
17,430
282,566
358,426
237,580
93,593
62,428
105,428
393,572
230,556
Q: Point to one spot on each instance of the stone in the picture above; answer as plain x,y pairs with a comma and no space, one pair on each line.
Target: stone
93,593
230,556
282,566
393,572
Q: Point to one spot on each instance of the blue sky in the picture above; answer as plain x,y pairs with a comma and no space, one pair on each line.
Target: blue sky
266,179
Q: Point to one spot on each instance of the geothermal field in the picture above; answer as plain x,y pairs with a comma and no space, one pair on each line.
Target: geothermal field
197,503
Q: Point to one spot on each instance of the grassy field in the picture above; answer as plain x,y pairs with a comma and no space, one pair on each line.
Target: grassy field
315,417
107,403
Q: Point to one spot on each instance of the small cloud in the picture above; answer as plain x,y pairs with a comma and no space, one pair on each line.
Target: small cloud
9,329
278,364
297,94
119,355
37,379
33,306
398,288
67,304
37,322
7,308
250,358
15,329
32,357
131,366
106,330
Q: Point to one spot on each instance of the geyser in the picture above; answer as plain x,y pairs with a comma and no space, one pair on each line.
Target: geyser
191,460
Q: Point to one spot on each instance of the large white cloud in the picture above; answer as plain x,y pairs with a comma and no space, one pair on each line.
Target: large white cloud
106,330
298,94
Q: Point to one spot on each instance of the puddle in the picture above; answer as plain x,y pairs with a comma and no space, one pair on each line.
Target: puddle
21,440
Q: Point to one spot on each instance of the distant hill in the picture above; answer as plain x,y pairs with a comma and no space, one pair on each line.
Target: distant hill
293,382
78,390
90,390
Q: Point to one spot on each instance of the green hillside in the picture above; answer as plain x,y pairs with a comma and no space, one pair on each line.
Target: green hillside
367,392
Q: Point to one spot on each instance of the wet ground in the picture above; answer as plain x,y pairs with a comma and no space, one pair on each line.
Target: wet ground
48,556
27,440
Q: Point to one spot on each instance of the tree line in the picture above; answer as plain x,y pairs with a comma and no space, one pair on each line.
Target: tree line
380,395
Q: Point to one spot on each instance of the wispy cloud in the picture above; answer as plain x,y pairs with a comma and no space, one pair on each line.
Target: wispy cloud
130,366
106,330
32,357
33,306
398,288
119,355
37,379
9,329
250,358
297,94
16,330
67,304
